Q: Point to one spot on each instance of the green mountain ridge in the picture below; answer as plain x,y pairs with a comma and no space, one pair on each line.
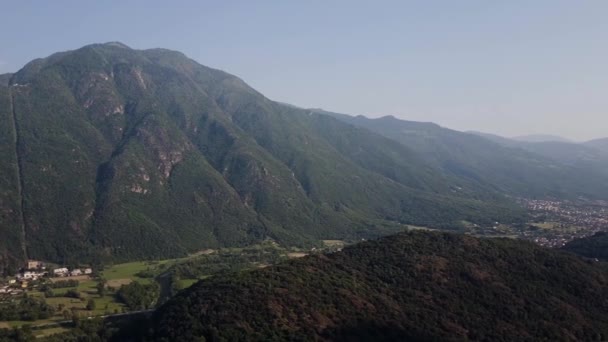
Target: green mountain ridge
122,154
589,154
541,170
418,286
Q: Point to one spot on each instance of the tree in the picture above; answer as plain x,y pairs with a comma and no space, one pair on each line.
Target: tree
137,296
72,294
91,304
101,288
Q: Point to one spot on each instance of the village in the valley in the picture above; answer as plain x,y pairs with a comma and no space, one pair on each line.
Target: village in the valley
35,271
555,223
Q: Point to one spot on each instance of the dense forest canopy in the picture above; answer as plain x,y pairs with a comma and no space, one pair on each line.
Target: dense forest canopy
418,285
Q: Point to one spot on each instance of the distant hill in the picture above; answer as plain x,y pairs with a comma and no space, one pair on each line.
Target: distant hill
595,246
4,79
590,155
541,138
601,144
497,139
501,164
111,153
415,286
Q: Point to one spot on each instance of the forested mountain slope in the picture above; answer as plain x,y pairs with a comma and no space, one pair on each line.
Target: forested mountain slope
412,286
552,169
595,246
129,154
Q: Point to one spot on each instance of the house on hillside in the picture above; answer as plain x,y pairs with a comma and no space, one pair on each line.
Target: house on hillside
30,275
34,265
61,272
76,272
88,271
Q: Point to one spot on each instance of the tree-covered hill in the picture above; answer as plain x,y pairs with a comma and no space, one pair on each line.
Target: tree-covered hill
412,286
595,246
112,152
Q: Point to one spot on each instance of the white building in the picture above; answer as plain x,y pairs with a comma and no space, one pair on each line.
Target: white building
76,272
61,272
29,275
88,270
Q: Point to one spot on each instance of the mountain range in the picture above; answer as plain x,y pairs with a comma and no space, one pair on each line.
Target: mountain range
112,153
520,169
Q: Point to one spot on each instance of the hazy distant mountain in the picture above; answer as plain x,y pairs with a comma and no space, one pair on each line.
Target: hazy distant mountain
110,152
541,138
410,287
587,155
4,79
497,139
601,144
516,168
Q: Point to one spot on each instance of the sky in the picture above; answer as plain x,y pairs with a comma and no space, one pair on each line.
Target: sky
505,67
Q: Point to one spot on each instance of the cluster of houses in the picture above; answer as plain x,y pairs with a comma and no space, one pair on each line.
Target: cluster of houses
65,272
35,270
10,288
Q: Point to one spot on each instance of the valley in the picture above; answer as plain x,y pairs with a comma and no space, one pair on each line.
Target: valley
552,223
145,194
77,297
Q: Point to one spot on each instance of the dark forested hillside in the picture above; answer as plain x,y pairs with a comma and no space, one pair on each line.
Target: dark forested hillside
544,169
412,286
595,246
118,153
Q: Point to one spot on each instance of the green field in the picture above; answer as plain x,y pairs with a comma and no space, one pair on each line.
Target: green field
185,283
545,225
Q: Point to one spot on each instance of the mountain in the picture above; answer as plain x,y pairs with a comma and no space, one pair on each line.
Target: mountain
589,155
541,138
490,161
4,79
414,286
595,246
601,144
112,153
497,139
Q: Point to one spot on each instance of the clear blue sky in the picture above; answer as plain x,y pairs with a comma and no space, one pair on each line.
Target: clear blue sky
508,67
